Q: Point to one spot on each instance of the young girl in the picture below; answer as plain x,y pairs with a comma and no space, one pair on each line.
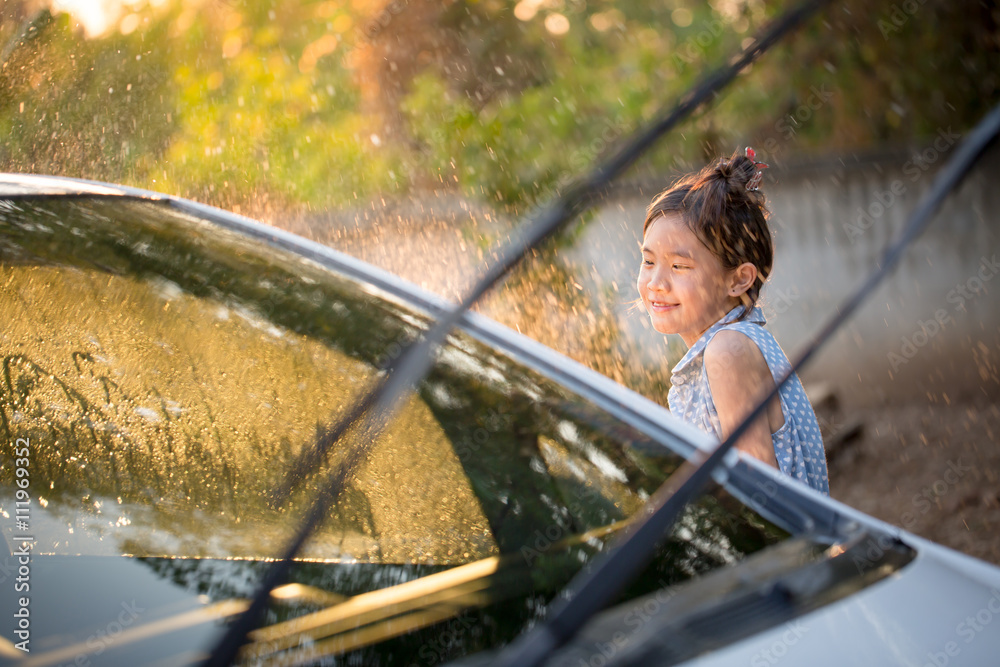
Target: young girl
706,253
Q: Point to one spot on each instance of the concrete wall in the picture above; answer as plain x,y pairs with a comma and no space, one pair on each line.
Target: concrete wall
932,329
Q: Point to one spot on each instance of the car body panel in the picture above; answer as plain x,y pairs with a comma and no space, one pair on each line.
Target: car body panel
929,613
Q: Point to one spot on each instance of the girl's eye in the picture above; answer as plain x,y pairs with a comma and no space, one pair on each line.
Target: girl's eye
680,266
647,262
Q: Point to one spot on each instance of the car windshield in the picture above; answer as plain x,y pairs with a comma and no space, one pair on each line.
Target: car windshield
167,372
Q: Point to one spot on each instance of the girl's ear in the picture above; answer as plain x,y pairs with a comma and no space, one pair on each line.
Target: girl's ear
742,279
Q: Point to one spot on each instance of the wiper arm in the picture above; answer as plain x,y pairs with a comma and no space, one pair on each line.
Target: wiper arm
774,586
597,585
374,409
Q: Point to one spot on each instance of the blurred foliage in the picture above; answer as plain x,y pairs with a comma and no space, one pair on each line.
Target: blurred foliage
254,105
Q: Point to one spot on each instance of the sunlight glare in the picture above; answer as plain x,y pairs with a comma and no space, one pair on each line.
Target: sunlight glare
94,16
97,17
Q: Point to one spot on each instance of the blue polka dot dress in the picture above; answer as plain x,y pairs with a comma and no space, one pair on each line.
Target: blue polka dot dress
798,445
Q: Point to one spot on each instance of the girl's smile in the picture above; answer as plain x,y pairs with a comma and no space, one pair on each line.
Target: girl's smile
661,307
683,285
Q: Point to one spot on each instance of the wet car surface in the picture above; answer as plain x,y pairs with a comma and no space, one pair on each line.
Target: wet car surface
165,364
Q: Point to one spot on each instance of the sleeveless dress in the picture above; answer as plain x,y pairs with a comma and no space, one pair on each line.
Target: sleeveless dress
798,445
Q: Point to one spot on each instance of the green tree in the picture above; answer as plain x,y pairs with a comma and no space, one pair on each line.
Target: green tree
327,104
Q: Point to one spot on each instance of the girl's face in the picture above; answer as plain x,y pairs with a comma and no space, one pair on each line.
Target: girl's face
683,286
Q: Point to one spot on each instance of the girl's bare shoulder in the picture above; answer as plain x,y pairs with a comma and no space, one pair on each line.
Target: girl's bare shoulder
731,351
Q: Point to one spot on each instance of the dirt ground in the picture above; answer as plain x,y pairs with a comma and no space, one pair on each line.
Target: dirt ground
932,469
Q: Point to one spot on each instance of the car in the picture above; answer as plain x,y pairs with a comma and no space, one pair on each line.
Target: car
166,367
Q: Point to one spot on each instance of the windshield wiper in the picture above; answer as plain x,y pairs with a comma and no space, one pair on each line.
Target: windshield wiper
774,586
376,406
598,584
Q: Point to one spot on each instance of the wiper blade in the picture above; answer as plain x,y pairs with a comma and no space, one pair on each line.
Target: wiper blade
375,407
597,585
777,585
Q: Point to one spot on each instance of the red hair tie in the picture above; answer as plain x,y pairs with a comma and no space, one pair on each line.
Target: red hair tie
754,183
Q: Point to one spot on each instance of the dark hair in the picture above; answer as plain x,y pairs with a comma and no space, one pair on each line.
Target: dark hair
729,219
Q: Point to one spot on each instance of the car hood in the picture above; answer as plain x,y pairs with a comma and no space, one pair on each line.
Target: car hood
940,609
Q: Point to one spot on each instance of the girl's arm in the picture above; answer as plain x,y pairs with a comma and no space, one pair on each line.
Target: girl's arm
739,378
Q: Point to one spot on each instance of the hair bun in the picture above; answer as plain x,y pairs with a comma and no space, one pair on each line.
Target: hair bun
737,172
